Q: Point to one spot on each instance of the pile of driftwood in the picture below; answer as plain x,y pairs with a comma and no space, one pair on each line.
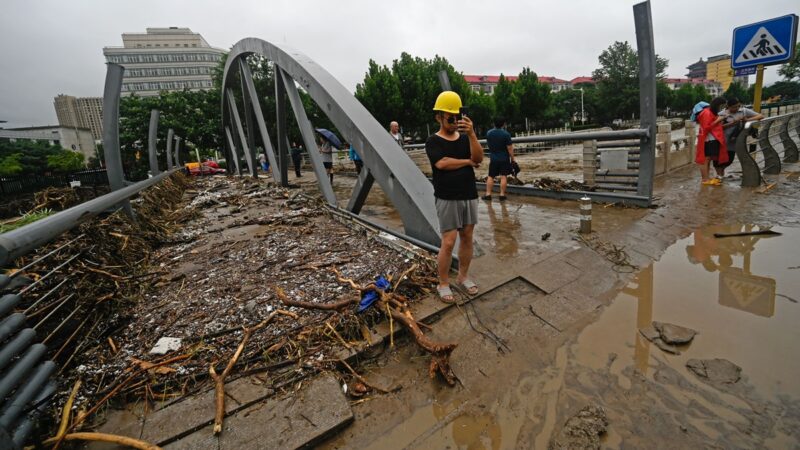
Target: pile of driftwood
279,305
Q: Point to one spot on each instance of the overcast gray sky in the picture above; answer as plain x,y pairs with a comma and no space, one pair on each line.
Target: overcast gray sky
49,47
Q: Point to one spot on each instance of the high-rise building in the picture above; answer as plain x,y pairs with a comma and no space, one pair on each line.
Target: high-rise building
718,68
67,110
90,110
164,59
82,112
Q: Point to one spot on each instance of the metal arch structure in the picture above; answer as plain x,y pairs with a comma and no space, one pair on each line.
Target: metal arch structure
408,189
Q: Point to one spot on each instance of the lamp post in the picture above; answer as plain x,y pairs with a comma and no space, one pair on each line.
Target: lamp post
583,115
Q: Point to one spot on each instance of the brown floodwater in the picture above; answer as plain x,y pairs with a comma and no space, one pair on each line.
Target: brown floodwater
740,293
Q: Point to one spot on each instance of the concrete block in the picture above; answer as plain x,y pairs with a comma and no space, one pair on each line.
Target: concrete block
181,418
299,419
551,274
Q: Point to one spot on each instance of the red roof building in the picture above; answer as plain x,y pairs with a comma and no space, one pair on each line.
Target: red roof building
581,80
487,83
714,88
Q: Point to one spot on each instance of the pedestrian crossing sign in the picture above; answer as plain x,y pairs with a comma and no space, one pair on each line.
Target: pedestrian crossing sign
764,43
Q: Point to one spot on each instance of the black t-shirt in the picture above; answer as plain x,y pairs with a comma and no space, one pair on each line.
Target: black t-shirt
456,184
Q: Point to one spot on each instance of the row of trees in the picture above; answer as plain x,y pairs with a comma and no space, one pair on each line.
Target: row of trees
196,116
406,91
37,158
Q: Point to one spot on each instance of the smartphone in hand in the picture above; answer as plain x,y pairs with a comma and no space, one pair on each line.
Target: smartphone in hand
462,112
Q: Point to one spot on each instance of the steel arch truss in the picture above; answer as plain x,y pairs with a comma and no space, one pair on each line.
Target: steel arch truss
402,181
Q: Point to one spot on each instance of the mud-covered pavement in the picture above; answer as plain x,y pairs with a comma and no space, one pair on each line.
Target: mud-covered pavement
557,332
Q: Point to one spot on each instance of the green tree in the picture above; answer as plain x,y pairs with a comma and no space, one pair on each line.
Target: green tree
788,90
65,161
791,69
482,111
687,96
618,81
506,100
409,94
10,165
738,91
664,96
534,97
380,93
27,157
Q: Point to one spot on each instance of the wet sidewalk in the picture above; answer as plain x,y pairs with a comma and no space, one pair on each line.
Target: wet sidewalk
556,328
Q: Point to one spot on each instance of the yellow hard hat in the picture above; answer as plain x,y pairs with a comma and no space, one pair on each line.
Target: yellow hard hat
448,101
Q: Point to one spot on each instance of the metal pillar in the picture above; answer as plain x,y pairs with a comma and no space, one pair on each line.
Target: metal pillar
248,118
152,139
242,139
234,154
170,139
407,188
751,174
280,110
647,97
772,161
111,149
360,191
250,92
307,133
790,154
178,141
444,80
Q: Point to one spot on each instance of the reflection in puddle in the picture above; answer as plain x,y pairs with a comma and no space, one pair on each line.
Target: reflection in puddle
726,289
505,228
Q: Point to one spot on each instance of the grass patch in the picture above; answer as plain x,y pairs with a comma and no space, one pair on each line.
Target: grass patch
26,219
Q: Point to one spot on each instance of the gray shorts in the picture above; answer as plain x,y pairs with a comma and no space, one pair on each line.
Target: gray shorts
455,214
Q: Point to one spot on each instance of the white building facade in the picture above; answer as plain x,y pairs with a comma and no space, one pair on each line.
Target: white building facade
164,59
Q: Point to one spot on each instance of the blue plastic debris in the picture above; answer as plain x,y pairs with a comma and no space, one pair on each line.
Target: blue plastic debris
370,297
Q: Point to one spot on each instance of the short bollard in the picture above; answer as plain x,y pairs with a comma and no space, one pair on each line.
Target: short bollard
586,215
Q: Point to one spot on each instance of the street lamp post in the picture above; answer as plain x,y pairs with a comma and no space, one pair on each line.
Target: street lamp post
583,115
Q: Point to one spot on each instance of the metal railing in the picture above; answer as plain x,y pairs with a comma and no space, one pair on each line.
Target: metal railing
763,157
24,385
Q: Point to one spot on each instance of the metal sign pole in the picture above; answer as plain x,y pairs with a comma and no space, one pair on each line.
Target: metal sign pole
757,88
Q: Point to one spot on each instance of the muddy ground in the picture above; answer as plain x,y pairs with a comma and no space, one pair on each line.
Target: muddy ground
568,324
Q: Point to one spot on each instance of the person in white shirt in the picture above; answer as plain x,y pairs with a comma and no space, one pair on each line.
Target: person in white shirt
394,130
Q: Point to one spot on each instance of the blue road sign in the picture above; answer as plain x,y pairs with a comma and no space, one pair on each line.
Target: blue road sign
768,42
745,71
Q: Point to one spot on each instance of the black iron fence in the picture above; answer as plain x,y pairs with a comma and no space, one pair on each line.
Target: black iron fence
31,183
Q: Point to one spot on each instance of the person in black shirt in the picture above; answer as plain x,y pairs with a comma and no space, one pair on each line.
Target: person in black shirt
454,152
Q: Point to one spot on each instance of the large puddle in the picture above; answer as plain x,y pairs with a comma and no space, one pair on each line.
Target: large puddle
740,293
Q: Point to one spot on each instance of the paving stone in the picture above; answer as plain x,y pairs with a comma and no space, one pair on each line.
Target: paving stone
299,419
181,418
564,308
551,274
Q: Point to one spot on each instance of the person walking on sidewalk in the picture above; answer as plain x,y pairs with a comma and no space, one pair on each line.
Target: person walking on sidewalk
356,159
501,155
711,140
734,117
297,158
262,158
326,150
454,152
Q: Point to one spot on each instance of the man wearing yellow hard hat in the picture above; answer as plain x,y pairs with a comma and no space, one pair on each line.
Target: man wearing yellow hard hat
454,152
